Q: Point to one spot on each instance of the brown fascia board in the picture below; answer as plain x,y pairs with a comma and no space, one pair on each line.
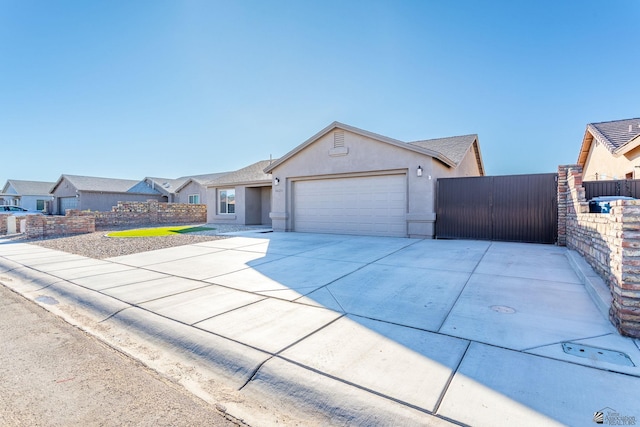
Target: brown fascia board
587,140
382,138
478,154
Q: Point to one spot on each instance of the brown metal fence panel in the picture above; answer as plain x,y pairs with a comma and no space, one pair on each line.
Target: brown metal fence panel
620,187
468,216
517,208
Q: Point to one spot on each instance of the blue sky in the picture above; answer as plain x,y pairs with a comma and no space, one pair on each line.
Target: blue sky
128,89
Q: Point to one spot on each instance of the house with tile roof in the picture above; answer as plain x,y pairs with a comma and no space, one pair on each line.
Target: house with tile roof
98,194
241,197
611,150
32,195
351,181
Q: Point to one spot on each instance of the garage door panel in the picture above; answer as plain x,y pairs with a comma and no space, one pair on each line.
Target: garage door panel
363,205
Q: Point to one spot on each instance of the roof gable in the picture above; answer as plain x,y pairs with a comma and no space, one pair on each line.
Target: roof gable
97,184
455,148
28,188
614,135
166,185
337,125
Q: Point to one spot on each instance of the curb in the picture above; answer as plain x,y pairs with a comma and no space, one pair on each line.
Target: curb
596,287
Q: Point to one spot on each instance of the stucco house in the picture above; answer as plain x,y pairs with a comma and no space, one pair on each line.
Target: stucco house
611,150
98,194
352,181
241,197
194,188
32,195
186,189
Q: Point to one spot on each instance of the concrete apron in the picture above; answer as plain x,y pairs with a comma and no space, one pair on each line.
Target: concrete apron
323,329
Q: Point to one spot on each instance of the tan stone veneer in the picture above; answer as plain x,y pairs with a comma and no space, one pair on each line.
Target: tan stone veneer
610,243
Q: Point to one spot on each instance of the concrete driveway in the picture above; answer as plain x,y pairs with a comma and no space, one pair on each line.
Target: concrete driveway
363,330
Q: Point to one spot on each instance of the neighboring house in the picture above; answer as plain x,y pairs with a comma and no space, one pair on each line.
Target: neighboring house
194,188
31,195
98,194
241,197
165,186
186,189
611,150
348,180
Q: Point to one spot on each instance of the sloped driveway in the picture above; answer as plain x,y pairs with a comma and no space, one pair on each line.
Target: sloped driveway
368,330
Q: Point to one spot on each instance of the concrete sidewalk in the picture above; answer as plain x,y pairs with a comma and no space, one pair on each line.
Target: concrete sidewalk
332,329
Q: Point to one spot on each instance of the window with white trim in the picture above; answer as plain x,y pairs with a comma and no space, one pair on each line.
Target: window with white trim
227,201
194,199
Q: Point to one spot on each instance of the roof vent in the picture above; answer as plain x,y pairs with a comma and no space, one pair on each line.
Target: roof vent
338,139
630,128
166,185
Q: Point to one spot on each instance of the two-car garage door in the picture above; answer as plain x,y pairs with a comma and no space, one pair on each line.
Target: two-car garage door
371,205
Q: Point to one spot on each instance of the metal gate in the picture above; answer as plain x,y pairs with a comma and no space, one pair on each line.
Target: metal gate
515,208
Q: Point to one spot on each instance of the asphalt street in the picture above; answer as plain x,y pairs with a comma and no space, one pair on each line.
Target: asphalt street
54,374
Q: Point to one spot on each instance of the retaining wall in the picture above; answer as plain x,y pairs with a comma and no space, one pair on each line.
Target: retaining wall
151,212
610,243
39,226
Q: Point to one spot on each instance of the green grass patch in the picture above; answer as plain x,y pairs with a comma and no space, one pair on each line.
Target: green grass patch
158,231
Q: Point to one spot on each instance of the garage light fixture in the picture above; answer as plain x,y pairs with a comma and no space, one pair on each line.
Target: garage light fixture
419,171
276,181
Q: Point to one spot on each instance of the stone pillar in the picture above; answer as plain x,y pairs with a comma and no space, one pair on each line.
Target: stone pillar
625,289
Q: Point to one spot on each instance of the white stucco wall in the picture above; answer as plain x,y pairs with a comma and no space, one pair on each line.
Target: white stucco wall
366,156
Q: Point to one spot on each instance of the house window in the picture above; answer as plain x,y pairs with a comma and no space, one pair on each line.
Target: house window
227,201
194,199
39,205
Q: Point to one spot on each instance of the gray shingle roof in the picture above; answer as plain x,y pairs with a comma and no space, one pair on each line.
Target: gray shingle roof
106,185
203,179
29,188
454,147
251,173
615,134
167,185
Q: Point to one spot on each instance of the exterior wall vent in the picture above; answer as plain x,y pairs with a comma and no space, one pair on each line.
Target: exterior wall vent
338,145
338,139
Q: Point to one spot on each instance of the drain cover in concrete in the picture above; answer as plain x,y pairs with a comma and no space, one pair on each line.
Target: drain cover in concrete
46,300
503,309
597,354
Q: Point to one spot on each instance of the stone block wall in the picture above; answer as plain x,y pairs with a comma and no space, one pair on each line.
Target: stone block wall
3,225
151,212
610,243
38,226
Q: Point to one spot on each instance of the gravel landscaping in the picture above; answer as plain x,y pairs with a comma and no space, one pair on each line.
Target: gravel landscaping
97,245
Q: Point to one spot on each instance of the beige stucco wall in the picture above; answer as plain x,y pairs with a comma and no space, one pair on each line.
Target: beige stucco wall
366,156
600,161
192,188
252,205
